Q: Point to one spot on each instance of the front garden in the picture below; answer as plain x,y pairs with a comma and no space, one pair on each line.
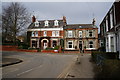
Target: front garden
25,47
108,65
56,49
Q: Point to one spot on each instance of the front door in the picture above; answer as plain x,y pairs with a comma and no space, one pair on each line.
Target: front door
45,45
80,45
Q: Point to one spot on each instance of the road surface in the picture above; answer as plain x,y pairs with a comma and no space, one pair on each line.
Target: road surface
37,65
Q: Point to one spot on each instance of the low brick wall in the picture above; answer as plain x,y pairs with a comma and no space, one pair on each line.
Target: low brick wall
49,51
25,50
9,48
71,52
15,48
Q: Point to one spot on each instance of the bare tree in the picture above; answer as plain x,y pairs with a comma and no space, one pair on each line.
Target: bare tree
14,19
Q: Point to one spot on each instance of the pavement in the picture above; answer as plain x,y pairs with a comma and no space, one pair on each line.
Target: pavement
9,61
83,68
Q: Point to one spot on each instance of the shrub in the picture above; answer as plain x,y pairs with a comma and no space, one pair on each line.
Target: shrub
111,55
110,69
20,47
102,49
49,48
23,46
39,50
106,55
56,47
11,44
32,48
95,54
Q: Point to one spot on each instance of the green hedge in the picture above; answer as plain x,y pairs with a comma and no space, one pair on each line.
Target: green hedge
49,48
106,55
23,46
110,69
56,47
11,44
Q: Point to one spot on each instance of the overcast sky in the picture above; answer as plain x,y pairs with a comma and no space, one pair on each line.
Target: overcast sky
75,12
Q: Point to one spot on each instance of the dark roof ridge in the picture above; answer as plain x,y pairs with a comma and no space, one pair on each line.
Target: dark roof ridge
79,24
50,20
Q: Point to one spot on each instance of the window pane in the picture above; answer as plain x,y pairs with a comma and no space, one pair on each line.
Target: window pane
53,33
80,34
70,34
36,34
45,33
91,46
90,33
33,34
70,46
70,42
57,33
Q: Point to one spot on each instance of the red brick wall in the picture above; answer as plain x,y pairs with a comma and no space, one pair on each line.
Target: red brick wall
49,33
15,48
61,33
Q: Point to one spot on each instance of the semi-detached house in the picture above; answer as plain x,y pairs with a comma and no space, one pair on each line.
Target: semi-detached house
45,33
71,37
110,29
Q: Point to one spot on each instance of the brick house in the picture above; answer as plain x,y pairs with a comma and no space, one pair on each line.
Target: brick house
71,37
45,33
110,29
80,36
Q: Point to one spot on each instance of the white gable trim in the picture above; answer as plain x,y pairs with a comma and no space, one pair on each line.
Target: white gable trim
45,29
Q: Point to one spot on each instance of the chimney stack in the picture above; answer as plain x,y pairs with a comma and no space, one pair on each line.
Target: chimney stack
33,19
93,21
64,19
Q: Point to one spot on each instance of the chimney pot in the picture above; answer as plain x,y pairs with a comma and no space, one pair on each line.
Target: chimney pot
93,21
33,19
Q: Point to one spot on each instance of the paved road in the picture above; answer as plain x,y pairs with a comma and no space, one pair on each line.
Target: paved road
37,65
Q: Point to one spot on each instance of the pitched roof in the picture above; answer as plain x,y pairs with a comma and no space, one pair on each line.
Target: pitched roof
51,24
78,26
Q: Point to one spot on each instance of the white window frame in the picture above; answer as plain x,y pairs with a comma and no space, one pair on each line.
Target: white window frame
45,33
52,43
106,23
46,23
90,33
36,33
111,19
91,44
56,23
33,34
53,33
57,33
36,24
80,34
68,45
70,33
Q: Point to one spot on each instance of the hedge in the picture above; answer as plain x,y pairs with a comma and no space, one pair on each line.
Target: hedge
110,69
